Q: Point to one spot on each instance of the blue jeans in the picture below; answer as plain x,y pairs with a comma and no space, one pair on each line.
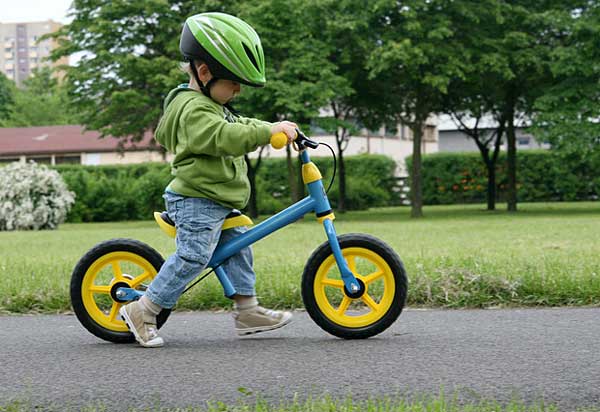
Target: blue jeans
198,222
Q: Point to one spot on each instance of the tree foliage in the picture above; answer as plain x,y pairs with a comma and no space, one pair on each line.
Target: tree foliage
417,51
568,114
131,60
7,92
42,101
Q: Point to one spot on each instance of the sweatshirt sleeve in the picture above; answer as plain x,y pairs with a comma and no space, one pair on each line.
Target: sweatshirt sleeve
250,121
209,133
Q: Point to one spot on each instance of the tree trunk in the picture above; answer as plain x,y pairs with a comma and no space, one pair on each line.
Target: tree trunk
491,184
512,161
252,208
292,176
341,206
416,188
300,180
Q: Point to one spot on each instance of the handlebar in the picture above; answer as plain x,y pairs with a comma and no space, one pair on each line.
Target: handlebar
279,140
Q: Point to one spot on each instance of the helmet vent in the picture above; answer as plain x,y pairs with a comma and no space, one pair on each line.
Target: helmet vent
251,56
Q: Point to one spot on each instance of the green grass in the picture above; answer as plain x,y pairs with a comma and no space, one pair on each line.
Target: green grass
325,403
456,256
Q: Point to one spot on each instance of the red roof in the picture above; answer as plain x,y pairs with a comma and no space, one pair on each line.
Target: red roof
63,139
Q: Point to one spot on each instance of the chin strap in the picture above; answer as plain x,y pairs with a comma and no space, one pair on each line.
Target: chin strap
205,88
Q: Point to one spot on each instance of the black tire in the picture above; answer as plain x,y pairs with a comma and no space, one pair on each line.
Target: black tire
151,258
394,278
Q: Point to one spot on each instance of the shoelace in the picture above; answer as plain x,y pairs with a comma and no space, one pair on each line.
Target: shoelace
269,312
152,333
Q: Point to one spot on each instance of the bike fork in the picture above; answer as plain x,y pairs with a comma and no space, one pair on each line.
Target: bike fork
348,277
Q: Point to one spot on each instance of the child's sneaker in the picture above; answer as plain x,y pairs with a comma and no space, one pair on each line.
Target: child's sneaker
142,323
258,319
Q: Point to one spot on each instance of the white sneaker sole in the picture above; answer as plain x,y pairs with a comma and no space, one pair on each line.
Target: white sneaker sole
154,343
258,329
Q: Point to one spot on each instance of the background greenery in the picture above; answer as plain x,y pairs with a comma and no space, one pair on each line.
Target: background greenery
134,192
450,178
457,256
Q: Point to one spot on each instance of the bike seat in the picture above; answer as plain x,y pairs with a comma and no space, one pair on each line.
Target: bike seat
233,219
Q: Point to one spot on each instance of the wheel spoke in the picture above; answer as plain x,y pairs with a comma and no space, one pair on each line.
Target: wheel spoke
113,312
100,289
370,302
373,276
139,279
351,260
344,305
117,270
338,283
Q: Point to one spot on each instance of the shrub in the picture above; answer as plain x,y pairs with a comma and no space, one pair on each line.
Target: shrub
32,197
131,192
541,176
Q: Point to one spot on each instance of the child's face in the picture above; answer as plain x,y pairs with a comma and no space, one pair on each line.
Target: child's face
223,91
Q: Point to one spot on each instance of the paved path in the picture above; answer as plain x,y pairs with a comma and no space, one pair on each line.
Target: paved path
552,354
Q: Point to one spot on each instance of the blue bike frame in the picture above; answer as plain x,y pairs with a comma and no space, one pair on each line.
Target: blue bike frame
316,201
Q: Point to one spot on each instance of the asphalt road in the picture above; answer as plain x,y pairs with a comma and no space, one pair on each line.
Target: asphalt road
550,354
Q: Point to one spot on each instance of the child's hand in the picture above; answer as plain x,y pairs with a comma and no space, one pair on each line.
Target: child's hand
289,128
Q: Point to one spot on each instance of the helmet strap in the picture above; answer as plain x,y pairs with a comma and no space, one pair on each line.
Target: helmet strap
204,88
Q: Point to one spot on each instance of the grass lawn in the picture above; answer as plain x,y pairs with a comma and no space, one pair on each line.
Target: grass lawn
456,256
439,403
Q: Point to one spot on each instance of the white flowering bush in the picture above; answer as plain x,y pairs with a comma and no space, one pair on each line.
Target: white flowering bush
32,197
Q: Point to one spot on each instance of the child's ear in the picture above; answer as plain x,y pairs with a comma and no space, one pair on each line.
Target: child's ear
203,71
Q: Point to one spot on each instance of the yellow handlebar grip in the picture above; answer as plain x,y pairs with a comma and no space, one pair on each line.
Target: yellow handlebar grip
279,140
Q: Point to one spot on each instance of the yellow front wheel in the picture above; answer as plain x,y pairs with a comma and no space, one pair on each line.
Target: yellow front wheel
376,266
97,276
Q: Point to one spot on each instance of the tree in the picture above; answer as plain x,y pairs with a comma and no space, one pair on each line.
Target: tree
7,91
300,78
42,101
473,99
528,33
131,60
343,24
416,53
568,114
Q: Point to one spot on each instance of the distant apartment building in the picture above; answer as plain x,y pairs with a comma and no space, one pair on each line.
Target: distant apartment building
21,52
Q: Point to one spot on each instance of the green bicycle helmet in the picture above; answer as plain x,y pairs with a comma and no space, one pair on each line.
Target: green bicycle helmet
228,45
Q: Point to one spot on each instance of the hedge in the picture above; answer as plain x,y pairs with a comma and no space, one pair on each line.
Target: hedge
542,175
134,191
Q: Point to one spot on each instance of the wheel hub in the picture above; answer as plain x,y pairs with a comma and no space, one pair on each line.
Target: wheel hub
361,290
115,287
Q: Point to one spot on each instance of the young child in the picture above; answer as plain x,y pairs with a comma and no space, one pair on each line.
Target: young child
209,143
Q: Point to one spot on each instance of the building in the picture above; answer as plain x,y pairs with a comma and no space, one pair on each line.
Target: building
452,139
21,52
71,144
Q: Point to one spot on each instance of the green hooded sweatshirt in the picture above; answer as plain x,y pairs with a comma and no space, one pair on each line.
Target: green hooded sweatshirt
209,145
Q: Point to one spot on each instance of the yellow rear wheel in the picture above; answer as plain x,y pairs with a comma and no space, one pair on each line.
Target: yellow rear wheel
380,270
107,266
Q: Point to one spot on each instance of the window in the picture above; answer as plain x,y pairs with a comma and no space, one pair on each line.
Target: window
42,159
391,130
67,159
523,141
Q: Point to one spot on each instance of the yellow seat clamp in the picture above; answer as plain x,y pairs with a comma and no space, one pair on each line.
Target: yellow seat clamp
330,216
